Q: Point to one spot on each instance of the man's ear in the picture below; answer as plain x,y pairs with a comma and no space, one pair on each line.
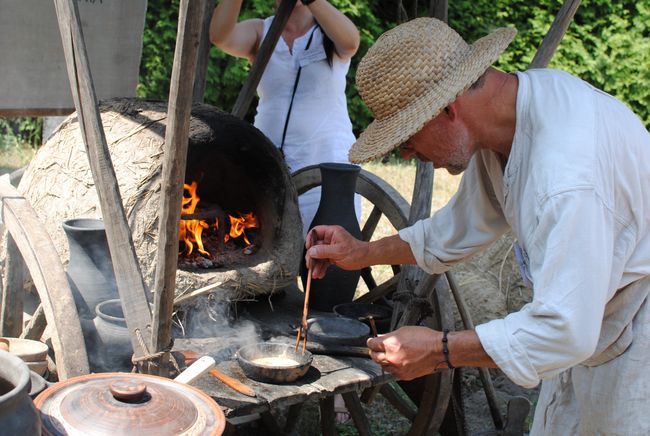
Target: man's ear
452,110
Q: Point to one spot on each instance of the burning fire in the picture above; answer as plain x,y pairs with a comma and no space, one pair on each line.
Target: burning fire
191,230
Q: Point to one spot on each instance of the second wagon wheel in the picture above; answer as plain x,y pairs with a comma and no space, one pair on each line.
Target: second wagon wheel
427,396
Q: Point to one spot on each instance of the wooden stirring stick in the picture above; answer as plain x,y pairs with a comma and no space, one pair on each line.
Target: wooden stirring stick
373,326
302,330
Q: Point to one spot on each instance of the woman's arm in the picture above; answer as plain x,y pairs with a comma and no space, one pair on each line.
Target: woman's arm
337,26
237,39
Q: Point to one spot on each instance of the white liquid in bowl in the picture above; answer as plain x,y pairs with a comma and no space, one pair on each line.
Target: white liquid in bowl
275,361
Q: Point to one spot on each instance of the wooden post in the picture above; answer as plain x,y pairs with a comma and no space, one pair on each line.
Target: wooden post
247,92
203,56
129,280
190,18
555,34
411,275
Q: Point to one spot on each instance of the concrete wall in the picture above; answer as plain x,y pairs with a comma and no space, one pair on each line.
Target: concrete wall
33,76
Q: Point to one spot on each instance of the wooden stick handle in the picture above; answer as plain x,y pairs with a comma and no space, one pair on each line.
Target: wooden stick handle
232,383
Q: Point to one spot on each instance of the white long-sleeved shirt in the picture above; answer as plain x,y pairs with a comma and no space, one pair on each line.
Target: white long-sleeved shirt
576,194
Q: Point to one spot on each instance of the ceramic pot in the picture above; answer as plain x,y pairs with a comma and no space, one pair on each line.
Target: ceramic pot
114,348
127,404
17,413
90,270
336,207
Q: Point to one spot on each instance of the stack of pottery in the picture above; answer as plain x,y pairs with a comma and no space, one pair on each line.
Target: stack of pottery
92,281
33,353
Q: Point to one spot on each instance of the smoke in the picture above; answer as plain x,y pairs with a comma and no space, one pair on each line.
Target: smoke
210,325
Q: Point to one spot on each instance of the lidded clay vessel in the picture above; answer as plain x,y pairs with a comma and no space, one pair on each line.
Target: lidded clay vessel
121,403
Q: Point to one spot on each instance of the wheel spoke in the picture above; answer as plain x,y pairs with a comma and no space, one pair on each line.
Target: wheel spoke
380,291
401,404
366,275
371,224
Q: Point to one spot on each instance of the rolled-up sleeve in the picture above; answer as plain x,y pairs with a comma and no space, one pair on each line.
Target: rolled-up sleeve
571,257
468,223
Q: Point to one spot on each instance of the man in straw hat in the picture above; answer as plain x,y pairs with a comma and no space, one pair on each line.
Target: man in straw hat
563,165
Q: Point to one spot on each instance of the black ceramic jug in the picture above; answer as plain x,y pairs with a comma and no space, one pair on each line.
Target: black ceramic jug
336,207
90,270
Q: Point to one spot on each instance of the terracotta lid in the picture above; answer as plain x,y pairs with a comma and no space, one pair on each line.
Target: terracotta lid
119,403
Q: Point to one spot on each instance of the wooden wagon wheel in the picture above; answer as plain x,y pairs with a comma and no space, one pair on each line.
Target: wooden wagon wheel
30,247
430,394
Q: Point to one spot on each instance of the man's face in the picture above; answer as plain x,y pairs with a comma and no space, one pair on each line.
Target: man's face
444,143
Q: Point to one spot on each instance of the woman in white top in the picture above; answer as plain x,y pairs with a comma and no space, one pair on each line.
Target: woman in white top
317,43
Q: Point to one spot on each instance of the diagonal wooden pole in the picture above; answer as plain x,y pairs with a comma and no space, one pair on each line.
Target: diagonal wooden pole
555,34
130,284
245,97
190,19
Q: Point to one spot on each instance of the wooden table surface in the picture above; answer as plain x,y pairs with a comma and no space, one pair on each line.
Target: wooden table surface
275,320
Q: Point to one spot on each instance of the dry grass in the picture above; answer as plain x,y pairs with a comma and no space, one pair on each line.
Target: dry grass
14,157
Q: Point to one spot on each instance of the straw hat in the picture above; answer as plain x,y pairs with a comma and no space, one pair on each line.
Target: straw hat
411,73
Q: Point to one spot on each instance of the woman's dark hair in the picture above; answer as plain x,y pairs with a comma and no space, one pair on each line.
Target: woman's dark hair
328,44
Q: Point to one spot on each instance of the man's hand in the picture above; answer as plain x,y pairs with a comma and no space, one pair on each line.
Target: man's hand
407,353
333,245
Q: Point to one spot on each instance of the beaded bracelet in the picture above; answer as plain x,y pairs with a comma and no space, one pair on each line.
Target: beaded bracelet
445,349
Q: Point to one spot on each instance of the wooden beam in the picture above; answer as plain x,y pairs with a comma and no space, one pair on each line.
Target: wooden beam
203,56
438,9
44,265
247,92
130,285
555,34
190,19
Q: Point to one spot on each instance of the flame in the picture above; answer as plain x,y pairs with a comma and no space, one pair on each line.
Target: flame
191,231
239,225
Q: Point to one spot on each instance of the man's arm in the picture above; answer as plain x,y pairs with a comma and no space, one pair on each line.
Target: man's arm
333,245
411,352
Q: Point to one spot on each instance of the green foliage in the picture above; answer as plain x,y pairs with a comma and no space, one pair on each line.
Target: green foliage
20,132
608,45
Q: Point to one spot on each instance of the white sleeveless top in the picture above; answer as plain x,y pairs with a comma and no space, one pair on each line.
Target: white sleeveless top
319,127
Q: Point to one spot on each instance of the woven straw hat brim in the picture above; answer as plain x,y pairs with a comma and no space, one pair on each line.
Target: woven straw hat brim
383,135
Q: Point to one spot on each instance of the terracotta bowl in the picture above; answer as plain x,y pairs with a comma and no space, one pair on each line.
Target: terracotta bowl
27,349
38,367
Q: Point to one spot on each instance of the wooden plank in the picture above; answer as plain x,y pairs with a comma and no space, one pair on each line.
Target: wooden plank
190,20
44,265
130,284
203,53
11,317
245,97
555,34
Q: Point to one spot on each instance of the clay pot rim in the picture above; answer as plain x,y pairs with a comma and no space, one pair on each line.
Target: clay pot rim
107,317
73,224
23,384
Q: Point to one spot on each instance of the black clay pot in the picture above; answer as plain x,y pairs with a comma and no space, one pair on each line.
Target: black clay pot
90,271
336,207
113,338
18,416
